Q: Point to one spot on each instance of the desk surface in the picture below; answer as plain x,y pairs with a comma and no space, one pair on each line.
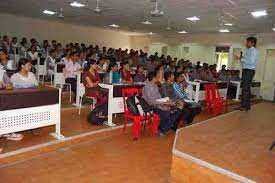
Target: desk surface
33,97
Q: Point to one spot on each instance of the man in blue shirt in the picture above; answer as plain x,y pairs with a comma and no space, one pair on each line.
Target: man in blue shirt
249,61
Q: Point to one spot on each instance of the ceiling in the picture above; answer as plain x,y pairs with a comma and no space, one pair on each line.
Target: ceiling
130,13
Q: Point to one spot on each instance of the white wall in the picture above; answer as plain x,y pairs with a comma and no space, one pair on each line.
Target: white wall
63,32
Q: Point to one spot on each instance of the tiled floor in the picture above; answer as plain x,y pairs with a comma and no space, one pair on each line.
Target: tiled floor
238,142
109,158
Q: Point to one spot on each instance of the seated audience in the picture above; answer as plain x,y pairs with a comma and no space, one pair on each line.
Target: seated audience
126,73
50,62
5,62
139,76
33,54
114,75
103,64
91,80
24,78
4,79
168,116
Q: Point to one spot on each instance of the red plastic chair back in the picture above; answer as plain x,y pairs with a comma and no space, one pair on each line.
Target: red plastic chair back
213,100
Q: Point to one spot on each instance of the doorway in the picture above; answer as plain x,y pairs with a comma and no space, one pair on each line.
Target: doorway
222,56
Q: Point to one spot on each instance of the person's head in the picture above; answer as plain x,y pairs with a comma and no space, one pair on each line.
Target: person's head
74,56
152,76
54,42
223,67
53,53
82,55
33,48
45,43
179,78
14,40
3,56
169,76
92,65
125,66
113,67
101,61
140,69
24,65
24,40
251,42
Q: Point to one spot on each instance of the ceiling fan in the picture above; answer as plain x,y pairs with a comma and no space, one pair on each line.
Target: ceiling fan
156,12
98,9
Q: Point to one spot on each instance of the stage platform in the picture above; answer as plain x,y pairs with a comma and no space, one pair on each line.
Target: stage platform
233,147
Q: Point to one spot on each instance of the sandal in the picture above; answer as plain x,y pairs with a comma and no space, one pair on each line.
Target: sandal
14,136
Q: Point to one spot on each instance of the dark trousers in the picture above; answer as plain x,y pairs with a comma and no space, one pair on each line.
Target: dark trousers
168,119
72,82
247,77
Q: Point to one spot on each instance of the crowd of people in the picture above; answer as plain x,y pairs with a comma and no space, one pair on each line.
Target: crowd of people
164,76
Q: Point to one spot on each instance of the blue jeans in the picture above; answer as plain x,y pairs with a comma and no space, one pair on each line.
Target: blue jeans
168,119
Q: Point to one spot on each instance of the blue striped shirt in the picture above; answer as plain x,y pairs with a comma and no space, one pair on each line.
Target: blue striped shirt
179,92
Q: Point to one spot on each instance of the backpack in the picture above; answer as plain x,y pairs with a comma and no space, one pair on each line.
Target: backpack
95,116
138,106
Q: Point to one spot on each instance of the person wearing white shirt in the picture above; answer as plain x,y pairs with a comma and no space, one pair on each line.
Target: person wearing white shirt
33,54
24,78
71,70
66,58
51,62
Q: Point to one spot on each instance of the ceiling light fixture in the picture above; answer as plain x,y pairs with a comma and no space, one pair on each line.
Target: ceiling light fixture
147,22
193,19
48,12
260,13
228,24
182,32
114,25
77,4
224,30
273,29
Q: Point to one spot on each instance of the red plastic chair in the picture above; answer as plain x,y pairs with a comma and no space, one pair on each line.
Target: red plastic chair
138,120
215,104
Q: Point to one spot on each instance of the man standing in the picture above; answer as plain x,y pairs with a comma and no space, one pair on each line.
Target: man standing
249,61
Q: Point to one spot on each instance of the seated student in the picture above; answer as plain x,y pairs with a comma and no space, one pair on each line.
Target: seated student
139,76
126,73
71,69
4,79
50,62
168,116
103,64
32,54
82,58
5,62
24,78
91,80
66,57
114,75
167,90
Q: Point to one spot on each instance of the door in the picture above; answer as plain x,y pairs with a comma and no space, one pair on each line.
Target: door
269,75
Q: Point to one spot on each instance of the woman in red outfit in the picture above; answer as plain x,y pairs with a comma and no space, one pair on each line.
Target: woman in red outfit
91,80
126,73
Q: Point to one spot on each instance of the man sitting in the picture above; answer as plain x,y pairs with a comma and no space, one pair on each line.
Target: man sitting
180,94
167,90
168,116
